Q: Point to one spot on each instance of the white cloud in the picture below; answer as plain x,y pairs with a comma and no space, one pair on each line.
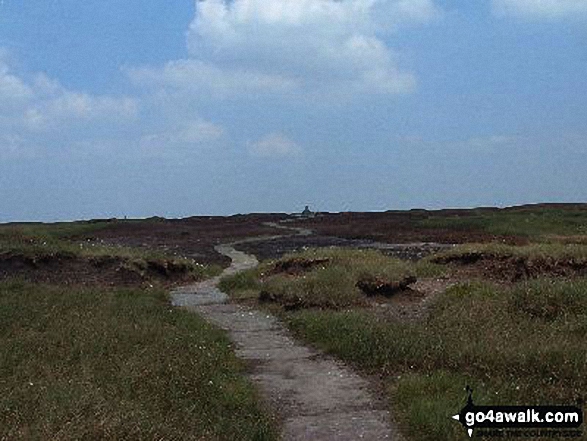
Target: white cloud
274,145
68,108
199,131
12,89
189,134
39,116
197,77
43,104
14,93
541,8
302,47
279,49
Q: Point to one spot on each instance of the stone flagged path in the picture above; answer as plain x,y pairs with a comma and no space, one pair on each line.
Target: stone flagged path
318,397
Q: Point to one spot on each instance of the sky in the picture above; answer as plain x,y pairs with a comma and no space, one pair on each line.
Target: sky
218,107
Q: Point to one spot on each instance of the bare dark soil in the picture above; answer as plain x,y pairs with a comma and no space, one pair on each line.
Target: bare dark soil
401,227
277,248
507,268
193,237
69,269
196,237
383,287
397,233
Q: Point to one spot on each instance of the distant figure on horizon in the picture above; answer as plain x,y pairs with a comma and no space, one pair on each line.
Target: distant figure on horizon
307,212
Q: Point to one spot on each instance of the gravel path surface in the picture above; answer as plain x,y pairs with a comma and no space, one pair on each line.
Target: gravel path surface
317,397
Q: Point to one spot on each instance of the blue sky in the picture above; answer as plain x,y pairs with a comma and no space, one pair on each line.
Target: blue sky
137,108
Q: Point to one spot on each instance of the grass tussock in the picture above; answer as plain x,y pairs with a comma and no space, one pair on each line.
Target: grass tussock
245,285
117,364
532,222
549,300
519,345
38,245
524,345
545,251
245,280
53,231
511,263
331,285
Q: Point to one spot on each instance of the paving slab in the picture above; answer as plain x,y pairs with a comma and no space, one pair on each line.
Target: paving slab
318,397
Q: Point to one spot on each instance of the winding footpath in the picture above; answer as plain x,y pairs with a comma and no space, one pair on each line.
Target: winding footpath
317,397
